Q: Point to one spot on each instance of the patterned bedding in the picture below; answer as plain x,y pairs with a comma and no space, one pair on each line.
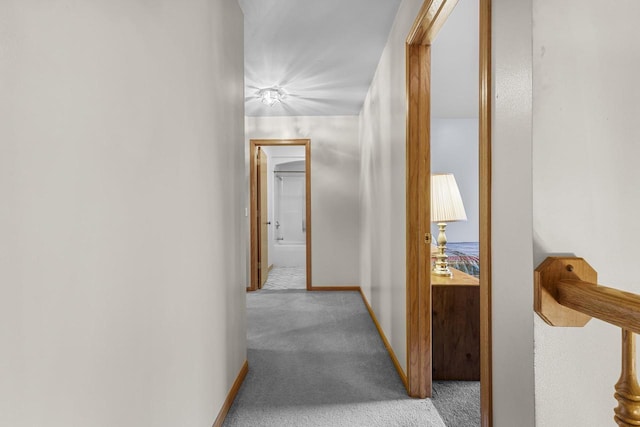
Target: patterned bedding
464,257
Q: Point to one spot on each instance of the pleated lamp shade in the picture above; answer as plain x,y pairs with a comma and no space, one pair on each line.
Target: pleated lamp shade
446,203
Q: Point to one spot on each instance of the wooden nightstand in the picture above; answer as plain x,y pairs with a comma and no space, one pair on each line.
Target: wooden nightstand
456,327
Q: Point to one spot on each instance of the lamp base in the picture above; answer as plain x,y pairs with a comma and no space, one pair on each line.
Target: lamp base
442,273
441,266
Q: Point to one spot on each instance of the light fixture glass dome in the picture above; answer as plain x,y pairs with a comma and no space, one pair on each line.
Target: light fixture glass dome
271,95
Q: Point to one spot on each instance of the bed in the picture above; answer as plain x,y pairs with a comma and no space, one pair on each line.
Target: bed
464,256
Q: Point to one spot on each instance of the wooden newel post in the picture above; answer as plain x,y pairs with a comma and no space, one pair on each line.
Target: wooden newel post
627,388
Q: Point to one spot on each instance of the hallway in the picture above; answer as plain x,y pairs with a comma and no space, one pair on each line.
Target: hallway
316,359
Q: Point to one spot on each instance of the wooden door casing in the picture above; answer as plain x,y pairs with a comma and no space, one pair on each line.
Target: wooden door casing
254,201
428,22
263,220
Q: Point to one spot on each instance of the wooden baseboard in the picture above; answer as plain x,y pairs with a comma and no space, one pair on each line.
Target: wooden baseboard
335,288
270,268
394,359
232,395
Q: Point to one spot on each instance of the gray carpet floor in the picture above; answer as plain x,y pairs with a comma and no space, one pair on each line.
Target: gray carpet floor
316,359
458,402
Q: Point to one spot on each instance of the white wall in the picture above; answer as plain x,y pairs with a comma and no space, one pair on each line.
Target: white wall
121,178
454,149
382,186
334,189
586,197
511,244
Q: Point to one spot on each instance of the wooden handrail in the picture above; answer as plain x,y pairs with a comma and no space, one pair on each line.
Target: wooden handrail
567,294
608,304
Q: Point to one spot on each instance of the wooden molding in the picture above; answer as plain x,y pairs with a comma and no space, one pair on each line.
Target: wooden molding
432,16
335,288
253,213
232,395
484,125
307,189
418,221
253,196
430,19
392,354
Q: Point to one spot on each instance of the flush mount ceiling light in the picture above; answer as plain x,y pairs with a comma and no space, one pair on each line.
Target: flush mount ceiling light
271,95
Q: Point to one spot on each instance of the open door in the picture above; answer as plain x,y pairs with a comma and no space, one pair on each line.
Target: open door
429,21
263,220
259,222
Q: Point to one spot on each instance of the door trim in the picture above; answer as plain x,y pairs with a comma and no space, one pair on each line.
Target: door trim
418,222
253,202
429,20
484,123
262,217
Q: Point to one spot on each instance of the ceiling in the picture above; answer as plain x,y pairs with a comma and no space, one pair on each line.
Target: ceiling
324,54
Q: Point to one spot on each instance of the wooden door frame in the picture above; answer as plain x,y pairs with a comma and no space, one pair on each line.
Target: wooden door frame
262,217
430,19
253,196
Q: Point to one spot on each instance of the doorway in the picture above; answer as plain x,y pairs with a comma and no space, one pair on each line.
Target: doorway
280,204
429,21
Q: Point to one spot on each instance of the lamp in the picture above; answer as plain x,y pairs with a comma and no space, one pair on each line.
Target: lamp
271,95
446,206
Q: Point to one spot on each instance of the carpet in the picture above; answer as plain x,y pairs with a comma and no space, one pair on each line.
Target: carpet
458,402
316,359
